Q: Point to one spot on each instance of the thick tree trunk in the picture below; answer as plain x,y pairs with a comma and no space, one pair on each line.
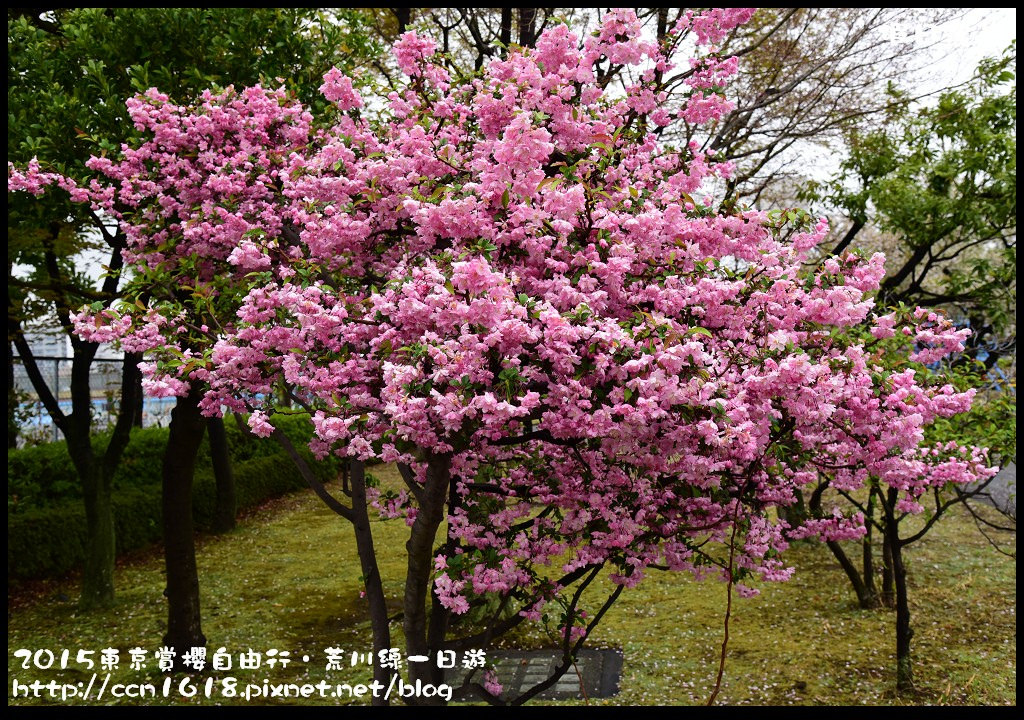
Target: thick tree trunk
868,563
420,564
97,480
98,573
440,616
527,26
225,505
371,574
184,629
139,405
98,577
796,513
403,16
505,33
437,630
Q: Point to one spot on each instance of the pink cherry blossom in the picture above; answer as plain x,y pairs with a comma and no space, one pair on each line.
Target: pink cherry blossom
512,274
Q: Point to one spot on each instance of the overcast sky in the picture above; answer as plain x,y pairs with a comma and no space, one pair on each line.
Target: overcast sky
982,32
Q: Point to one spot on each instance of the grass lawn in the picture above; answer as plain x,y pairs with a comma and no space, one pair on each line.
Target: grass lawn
287,578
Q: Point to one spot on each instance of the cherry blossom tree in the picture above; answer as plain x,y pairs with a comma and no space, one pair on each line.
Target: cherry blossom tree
187,286
69,73
506,285
897,498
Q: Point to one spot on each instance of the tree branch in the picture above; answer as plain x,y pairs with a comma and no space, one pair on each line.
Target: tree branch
307,475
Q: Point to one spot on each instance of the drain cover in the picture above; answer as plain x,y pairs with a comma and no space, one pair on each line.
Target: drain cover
519,670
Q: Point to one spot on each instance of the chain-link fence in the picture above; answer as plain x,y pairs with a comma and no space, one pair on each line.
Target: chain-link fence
36,426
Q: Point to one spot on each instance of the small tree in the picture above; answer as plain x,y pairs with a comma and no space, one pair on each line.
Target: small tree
939,183
893,496
504,284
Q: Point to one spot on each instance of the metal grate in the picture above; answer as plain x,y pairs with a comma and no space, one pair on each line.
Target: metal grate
34,422
519,670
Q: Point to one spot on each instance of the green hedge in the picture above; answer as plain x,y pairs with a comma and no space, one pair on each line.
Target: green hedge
44,476
50,541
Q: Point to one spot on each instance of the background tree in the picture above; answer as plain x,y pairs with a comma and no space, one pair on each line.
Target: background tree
939,182
69,74
893,519
933,185
806,76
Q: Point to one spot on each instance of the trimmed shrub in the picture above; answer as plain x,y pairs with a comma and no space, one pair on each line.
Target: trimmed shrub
39,475
50,541
44,476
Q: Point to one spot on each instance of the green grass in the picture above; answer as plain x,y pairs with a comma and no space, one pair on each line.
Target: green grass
287,578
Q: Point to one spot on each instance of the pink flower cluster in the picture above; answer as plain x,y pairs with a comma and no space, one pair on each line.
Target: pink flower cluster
509,272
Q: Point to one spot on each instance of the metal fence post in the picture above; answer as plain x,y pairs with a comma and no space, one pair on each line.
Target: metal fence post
56,389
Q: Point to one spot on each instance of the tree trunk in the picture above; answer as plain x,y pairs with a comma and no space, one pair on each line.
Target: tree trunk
904,633
887,293
867,555
505,33
139,405
97,483
371,575
98,577
225,506
527,25
888,596
184,629
856,227
661,34
403,15
865,598
420,564
794,514
440,616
